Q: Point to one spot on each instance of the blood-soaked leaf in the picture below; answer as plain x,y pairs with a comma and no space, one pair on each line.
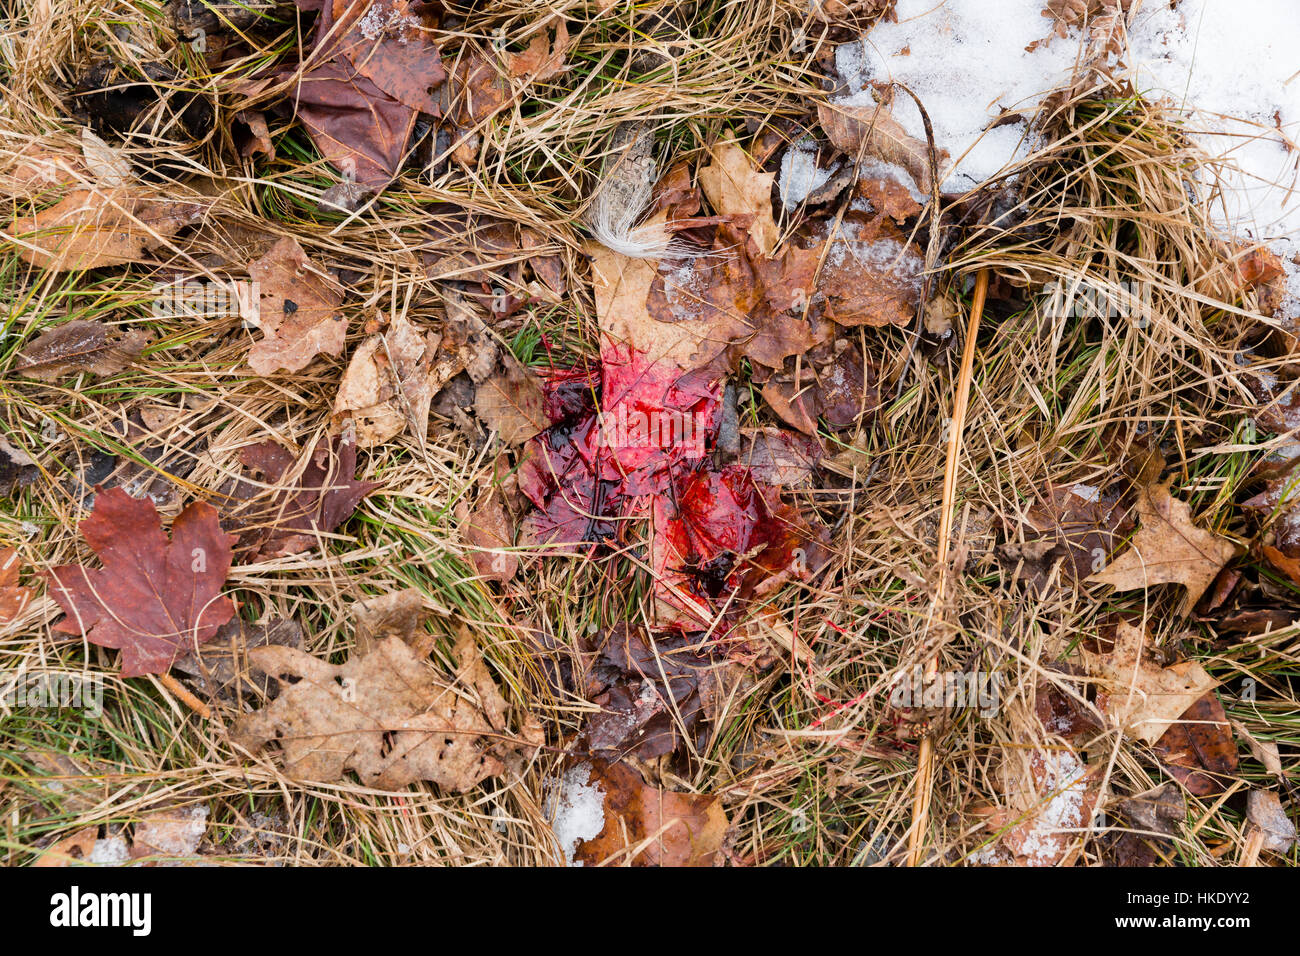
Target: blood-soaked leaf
13,597
152,599
298,309
390,43
293,516
1199,750
92,229
646,826
81,345
385,714
1168,549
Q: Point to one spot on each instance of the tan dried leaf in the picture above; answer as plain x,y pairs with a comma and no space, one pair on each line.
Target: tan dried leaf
873,131
736,187
1168,549
385,714
389,384
1140,697
297,308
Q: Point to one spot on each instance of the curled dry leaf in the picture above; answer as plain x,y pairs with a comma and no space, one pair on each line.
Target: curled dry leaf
92,229
13,597
1154,819
1264,810
385,714
81,345
872,131
153,598
220,669
1168,549
1139,696
389,384
646,826
297,308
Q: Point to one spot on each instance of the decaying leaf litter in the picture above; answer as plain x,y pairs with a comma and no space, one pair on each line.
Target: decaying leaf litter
548,414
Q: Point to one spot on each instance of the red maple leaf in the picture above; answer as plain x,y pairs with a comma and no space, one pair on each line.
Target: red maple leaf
152,599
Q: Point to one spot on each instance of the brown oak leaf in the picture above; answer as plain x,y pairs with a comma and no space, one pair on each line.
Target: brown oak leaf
152,599
1168,549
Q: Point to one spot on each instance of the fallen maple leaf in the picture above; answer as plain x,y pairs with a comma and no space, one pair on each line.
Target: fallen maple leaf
81,345
384,713
297,308
152,599
390,43
646,826
1168,549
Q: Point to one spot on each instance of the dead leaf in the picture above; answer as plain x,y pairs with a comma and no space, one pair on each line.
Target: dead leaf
1168,549
81,345
1264,810
220,670
873,131
645,826
13,598
390,43
175,832
386,714
70,850
1140,697
1154,819
297,308
1053,811
542,60
389,384
93,229
294,517
1198,750
153,598
735,187
779,457
490,533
